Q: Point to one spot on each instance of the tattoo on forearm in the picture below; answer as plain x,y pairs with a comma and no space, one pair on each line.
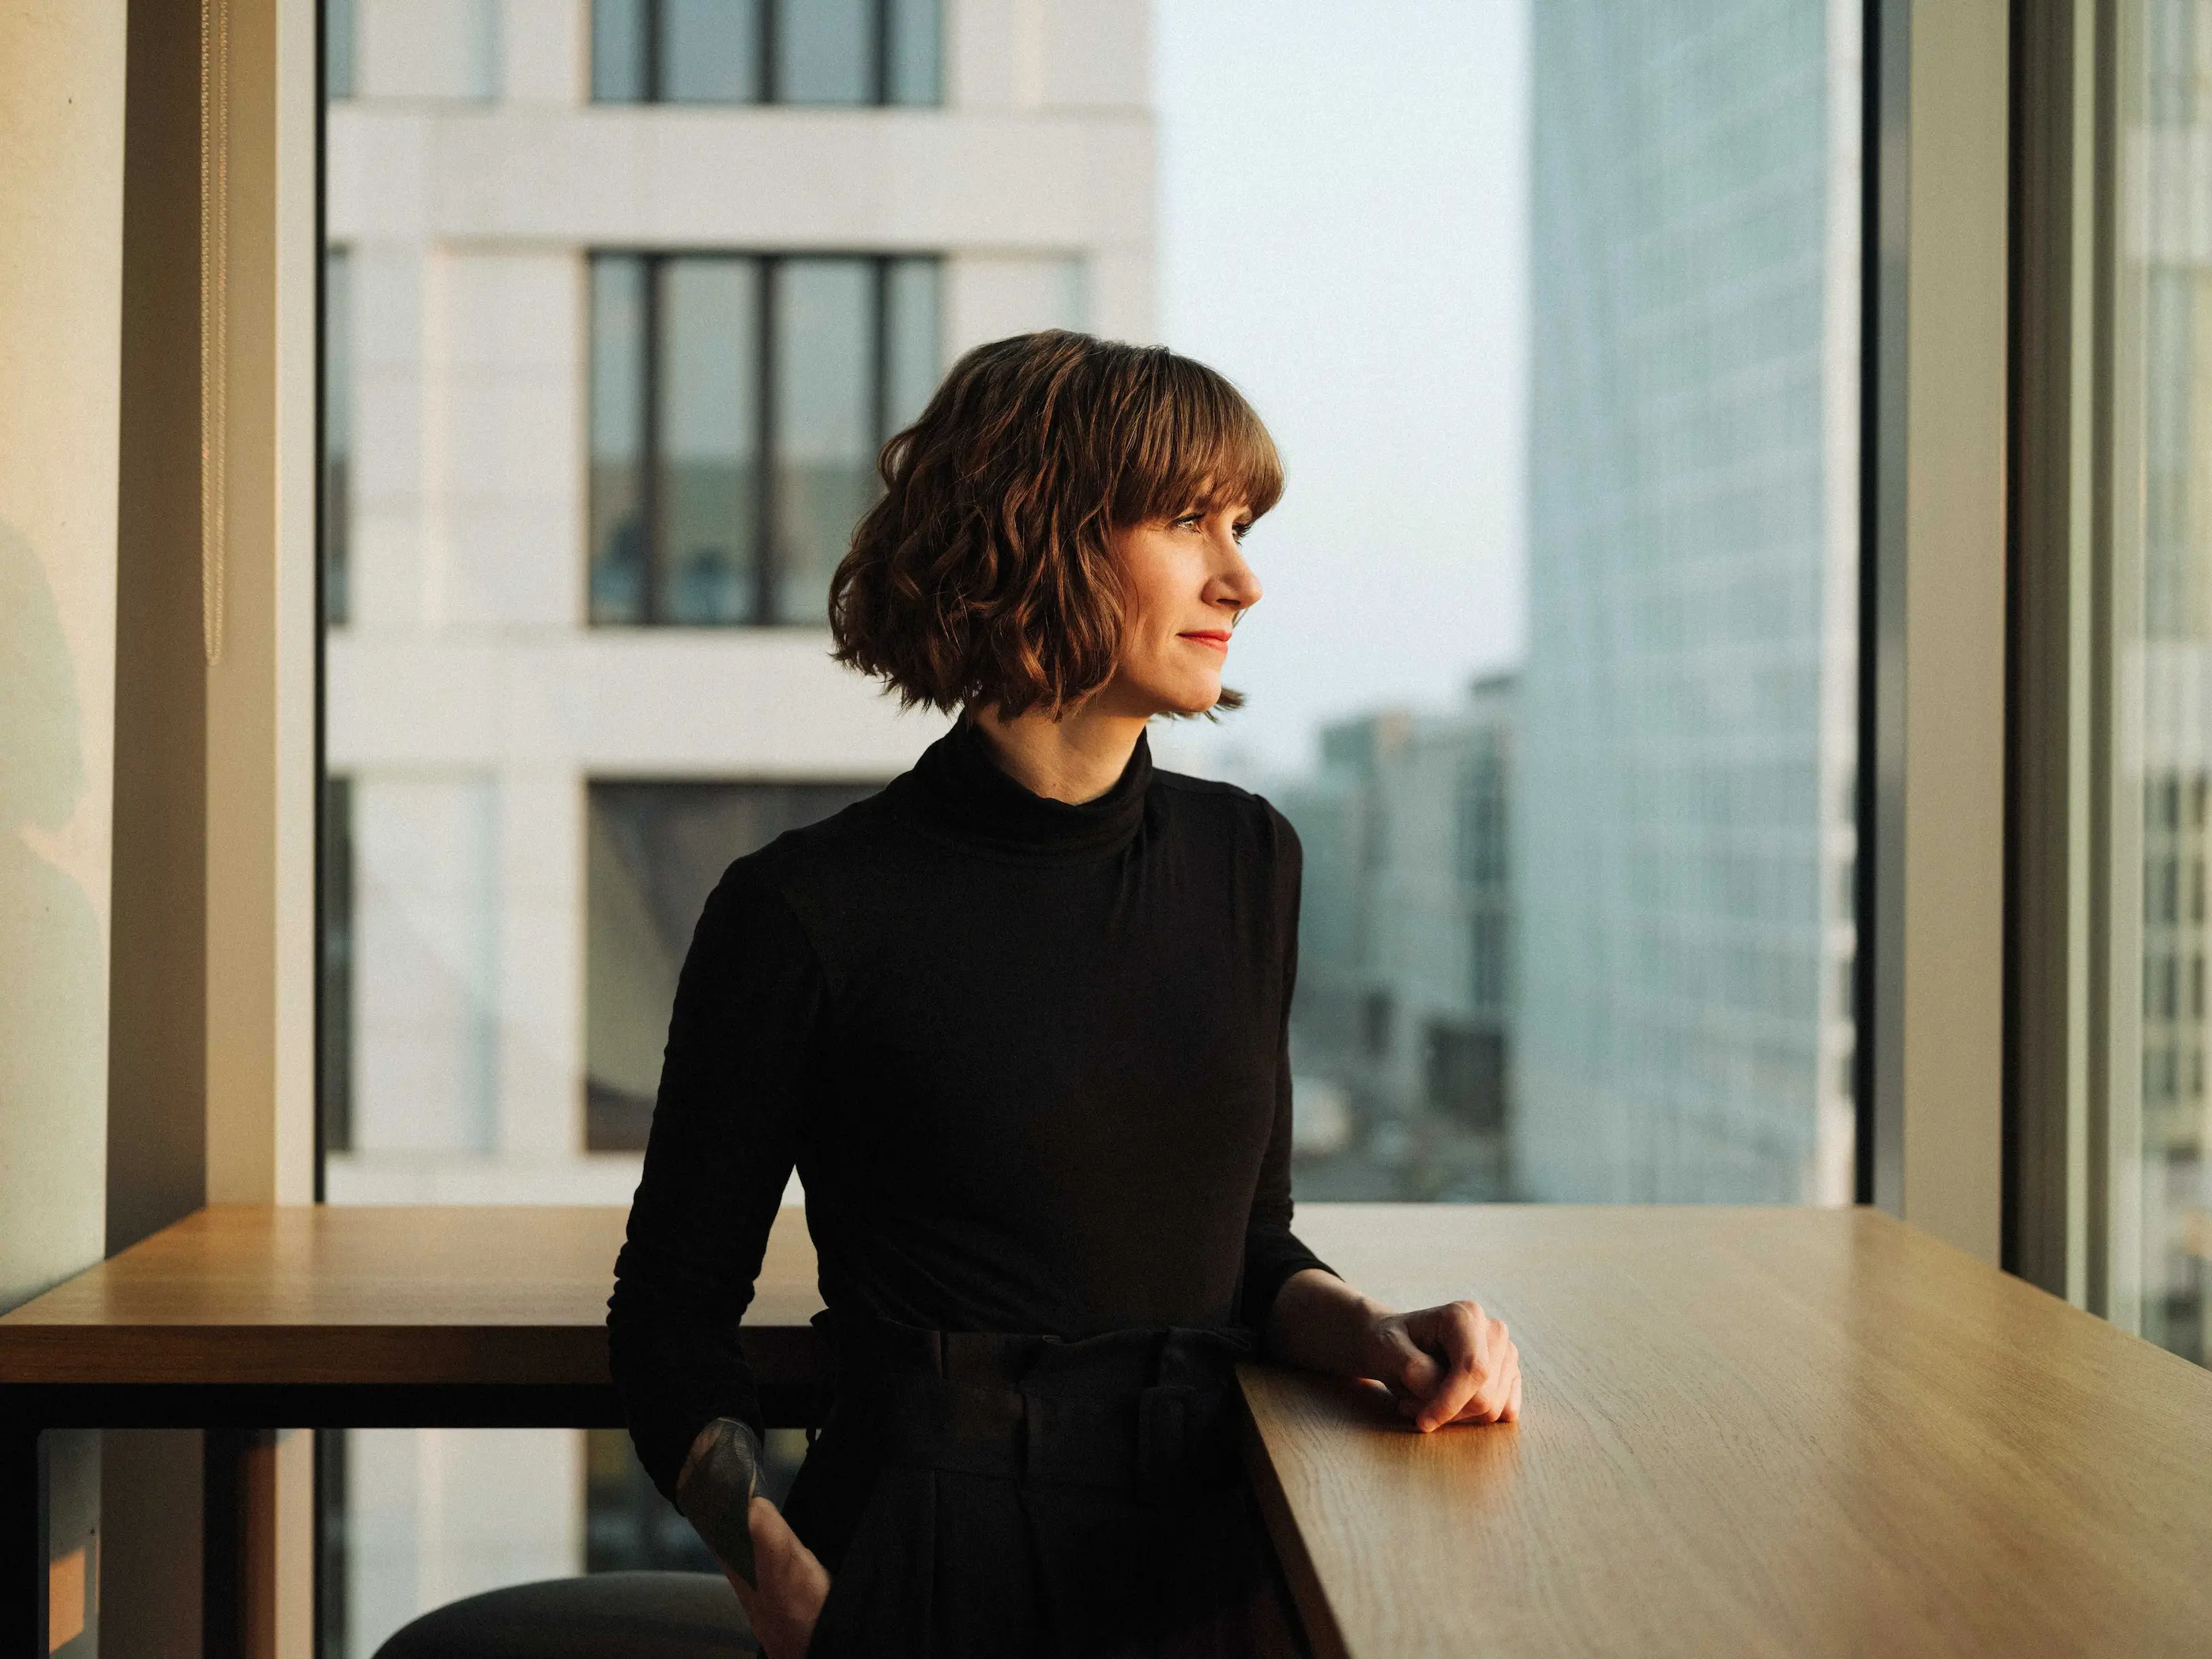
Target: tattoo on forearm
716,1489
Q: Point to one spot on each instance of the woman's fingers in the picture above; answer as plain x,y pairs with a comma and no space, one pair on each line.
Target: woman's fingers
1469,1340
1450,1364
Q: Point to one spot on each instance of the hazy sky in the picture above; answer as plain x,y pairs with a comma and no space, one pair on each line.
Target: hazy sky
1342,225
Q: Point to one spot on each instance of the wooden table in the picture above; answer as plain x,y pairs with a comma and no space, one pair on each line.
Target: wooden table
1748,1431
1794,1432
251,1318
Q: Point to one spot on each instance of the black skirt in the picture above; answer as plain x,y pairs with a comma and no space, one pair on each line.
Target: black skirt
976,1495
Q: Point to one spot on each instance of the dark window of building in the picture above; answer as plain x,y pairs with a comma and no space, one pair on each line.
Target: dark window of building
338,48
736,405
655,852
844,53
1465,1068
334,1017
1377,1016
337,434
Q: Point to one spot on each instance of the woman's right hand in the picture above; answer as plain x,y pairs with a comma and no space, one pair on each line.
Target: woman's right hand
792,1584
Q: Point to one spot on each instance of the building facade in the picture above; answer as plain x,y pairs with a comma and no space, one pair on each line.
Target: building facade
1684,812
1401,1033
620,298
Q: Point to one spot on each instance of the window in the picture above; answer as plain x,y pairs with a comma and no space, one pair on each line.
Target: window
1557,675
1552,310
2161,569
765,51
655,852
737,407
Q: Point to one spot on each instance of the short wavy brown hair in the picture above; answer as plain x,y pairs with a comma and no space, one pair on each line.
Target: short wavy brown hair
984,573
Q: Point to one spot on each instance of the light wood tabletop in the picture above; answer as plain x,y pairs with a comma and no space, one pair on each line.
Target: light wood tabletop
1746,1432
372,1295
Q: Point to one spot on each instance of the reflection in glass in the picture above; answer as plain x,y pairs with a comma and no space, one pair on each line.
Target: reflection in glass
825,51
655,852
707,472
709,51
913,75
618,557
825,420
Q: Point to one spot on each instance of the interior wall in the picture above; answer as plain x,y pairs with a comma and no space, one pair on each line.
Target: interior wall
61,233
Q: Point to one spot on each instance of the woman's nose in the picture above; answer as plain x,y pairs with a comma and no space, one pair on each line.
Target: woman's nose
1237,584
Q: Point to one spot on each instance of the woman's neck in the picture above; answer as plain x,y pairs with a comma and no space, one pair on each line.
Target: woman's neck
1075,758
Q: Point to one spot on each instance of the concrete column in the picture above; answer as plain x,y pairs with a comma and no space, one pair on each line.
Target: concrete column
425,1055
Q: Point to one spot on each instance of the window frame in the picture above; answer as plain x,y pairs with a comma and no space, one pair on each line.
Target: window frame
768,560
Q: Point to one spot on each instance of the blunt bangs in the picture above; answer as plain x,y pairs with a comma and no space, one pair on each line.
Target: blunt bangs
1195,445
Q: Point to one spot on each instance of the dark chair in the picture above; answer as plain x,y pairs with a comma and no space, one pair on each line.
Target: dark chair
608,1615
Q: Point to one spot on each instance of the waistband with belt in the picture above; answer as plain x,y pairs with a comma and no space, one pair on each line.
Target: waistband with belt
1150,1412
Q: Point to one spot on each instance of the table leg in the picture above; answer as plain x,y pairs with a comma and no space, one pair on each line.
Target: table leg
22,1545
238,1604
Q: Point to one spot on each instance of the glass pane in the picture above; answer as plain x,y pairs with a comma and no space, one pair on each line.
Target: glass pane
912,325
825,51
618,50
2162,536
824,439
710,52
706,482
338,430
338,48
1555,673
914,76
656,851
618,535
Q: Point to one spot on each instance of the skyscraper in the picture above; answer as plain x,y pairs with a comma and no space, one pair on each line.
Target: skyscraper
1683,811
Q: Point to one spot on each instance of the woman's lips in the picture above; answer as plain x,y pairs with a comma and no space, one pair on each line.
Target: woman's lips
1219,641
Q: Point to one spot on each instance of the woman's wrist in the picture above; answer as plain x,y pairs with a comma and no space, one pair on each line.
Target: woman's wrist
1322,1324
715,1490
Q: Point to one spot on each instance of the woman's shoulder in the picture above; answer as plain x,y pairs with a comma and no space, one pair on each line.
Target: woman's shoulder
1229,809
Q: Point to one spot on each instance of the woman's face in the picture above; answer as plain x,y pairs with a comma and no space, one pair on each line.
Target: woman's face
1184,582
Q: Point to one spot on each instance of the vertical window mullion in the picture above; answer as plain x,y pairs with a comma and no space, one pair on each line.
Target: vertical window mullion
880,81
879,348
650,443
769,562
771,80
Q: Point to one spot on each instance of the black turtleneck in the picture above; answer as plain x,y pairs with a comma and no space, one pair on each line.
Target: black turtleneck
1028,1058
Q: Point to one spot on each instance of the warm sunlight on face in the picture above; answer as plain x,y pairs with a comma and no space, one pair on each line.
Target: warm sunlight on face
1185,580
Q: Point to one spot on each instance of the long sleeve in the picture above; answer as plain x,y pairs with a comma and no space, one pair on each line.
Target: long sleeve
742,1044
1272,1253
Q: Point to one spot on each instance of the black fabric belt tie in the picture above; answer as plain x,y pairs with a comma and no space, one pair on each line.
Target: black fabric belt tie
1149,1414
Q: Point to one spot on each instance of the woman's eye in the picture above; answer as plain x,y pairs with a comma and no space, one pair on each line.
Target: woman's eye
1239,531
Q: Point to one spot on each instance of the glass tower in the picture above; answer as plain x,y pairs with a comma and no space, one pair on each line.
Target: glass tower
1683,810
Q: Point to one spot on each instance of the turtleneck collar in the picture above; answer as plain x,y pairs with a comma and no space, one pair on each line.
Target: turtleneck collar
959,786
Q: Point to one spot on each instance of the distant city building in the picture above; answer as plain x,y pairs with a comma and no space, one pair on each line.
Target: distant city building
1400,1031
622,298
1684,809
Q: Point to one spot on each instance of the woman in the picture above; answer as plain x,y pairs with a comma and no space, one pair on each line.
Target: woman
1020,1021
